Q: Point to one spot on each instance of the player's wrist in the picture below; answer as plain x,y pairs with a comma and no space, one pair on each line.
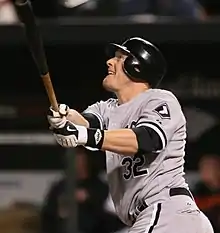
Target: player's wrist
90,137
82,135
95,138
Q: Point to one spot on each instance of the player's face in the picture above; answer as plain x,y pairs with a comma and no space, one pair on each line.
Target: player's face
116,79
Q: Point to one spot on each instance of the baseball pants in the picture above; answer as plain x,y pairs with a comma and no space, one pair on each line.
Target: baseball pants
177,214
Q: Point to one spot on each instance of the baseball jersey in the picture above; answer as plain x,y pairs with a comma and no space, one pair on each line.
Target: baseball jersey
148,176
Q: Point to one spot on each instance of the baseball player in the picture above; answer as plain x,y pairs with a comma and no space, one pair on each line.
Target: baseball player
143,132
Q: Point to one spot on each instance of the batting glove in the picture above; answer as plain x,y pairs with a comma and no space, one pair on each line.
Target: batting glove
71,135
58,119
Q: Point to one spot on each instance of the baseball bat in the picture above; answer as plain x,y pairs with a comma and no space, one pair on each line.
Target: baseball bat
35,42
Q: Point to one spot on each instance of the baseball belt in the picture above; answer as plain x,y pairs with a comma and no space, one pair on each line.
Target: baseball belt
172,192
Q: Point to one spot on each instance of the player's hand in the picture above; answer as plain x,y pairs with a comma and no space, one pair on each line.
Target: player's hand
70,135
58,119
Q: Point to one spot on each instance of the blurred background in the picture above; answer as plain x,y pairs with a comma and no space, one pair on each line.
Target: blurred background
47,189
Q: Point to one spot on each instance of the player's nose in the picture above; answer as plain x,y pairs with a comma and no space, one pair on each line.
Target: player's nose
110,62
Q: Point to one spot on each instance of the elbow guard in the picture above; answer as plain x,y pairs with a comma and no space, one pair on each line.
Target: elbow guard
149,140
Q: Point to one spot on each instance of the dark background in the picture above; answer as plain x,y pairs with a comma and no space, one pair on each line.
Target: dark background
75,40
77,72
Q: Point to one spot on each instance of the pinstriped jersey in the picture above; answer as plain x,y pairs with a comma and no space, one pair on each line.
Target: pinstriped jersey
144,177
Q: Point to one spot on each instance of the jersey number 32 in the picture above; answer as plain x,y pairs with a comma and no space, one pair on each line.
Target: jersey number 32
134,166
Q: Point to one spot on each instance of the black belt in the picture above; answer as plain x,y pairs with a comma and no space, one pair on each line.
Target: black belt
173,192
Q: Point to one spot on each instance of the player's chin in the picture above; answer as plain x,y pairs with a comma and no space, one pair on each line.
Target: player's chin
106,83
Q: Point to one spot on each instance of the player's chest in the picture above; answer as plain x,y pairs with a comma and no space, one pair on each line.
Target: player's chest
123,119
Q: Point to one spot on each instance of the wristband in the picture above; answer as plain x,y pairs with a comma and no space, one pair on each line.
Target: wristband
95,138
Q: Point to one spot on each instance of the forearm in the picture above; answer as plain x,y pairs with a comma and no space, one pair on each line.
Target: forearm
76,118
125,141
142,139
121,141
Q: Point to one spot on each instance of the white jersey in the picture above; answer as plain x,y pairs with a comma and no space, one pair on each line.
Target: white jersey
146,176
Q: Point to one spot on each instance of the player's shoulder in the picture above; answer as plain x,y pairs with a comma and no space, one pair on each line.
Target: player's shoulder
164,103
163,95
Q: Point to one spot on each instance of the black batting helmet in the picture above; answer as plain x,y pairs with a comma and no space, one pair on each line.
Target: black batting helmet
144,62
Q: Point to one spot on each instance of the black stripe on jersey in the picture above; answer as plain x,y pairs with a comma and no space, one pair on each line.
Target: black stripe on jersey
148,123
94,121
156,218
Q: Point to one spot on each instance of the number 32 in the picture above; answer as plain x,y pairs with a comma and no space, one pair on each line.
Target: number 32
134,166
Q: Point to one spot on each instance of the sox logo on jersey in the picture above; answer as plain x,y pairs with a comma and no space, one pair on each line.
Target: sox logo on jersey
163,111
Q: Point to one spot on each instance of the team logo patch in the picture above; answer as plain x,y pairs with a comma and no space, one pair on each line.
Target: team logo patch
163,111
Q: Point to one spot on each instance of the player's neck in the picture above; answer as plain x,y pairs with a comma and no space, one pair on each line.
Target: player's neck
130,92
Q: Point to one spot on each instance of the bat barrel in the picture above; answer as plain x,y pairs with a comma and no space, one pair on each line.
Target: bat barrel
26,15
33,36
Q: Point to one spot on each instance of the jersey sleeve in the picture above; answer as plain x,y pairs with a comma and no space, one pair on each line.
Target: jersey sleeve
163,116
97,114
94,116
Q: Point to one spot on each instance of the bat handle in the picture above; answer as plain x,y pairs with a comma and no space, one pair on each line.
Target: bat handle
50,91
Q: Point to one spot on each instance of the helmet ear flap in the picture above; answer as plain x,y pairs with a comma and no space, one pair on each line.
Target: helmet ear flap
132,67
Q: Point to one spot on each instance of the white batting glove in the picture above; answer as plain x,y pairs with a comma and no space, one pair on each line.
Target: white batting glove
70,135
58,119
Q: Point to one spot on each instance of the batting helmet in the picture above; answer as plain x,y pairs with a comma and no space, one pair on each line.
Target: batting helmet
144,62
